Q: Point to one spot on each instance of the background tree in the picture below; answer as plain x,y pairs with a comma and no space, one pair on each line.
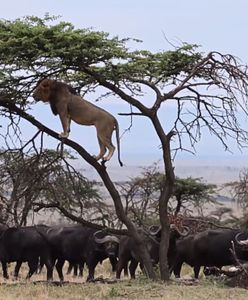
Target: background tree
194,192
31,182
239,189
208,91
141,194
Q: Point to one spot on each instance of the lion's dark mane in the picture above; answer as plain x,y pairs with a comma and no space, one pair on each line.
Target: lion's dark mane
56,90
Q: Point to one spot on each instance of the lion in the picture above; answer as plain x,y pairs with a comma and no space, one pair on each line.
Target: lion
65,102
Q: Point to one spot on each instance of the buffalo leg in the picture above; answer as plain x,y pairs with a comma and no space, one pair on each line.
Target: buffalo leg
197,271
177,269
78,269
69,268
75,270
32,264
17,268
142,267
49,266
59,267
81,269
122,264
113,261
5,270
132,268
126,270
40,266
91,265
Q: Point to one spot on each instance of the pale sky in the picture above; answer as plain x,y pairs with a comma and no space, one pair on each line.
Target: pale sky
219,25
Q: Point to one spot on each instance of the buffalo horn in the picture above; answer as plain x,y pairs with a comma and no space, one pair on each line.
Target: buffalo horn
241,242
185,231
106,238
154,229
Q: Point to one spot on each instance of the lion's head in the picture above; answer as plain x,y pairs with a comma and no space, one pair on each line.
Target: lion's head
47,89
43,90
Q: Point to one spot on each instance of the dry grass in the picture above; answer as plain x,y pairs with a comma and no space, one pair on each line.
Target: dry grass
125,289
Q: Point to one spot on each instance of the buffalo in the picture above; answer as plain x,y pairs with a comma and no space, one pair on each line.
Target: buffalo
24,244
210,248
128,251
79,245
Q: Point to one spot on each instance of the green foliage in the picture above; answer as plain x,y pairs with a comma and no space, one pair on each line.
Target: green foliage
32,39
193,191
42,47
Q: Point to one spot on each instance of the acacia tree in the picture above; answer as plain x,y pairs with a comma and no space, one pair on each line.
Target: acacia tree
32,182
193,191
207,91
141,193
239,189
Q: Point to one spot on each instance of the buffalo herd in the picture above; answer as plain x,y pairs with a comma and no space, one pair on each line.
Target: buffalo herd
51,246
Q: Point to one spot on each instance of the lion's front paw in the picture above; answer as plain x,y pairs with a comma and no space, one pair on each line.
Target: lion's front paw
63,135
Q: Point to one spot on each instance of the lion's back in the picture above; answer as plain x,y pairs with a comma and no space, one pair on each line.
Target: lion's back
85,112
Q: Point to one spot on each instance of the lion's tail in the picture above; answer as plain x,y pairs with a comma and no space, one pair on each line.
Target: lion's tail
118,141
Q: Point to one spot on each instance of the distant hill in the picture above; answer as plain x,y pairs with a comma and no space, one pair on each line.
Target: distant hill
216,174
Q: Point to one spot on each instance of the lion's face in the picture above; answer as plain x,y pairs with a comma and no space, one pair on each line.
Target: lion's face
43,91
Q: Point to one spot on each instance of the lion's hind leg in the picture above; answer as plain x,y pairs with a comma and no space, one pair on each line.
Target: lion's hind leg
104,135
103,150
105,143
111,148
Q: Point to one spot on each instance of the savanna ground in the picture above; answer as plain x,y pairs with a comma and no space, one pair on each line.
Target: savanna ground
140,288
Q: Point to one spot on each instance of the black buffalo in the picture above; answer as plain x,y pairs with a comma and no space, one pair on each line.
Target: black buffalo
128,251
24,244
79,245
210,248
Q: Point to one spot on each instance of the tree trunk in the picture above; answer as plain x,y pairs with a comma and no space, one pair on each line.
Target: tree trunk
165,234
179,204
164,198
163,250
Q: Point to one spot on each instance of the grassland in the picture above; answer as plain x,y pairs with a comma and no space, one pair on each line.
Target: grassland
140,288
137,289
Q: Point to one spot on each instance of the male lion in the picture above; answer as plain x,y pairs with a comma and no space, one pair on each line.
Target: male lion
69,106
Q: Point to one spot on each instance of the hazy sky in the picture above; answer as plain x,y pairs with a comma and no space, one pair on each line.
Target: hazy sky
219,25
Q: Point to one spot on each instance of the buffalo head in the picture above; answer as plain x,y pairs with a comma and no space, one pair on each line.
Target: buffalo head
109,243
